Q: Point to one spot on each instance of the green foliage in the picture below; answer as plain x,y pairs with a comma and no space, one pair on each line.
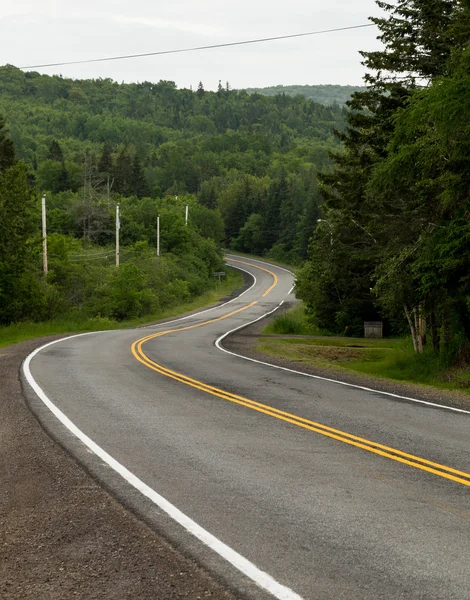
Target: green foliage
292,322
251,236
393,238
20,292
324,94
242,153
124,294
75,322
7,151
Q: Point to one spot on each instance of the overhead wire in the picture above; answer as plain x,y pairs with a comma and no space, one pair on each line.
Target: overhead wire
198,48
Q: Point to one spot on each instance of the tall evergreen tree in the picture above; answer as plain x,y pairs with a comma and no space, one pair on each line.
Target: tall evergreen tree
55,152
105,163
418,38
7,150
20,293
139,181
122,174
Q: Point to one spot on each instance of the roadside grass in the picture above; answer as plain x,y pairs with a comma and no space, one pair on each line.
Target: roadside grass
392,359
75,323
292,322
385,359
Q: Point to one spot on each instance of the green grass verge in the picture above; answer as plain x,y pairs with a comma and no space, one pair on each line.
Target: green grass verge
386,359
292,322
392,359
20,332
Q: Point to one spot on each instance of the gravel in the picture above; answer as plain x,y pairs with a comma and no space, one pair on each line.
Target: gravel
61,534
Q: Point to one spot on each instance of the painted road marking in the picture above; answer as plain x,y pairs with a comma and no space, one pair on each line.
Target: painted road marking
261,269
218,344
206,310
259,577
342,436
246,567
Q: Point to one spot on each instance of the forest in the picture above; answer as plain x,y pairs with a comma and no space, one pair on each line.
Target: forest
245,165
370,200
393,238
324,94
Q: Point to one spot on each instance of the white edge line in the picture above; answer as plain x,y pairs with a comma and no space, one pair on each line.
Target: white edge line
351,385
263,262
259,577
207,309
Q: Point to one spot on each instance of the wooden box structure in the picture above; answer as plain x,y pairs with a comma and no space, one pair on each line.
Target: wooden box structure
373,329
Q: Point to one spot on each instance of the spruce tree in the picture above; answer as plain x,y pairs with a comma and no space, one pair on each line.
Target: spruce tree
7,150
139,181
418,37
123,175
55,152
105,163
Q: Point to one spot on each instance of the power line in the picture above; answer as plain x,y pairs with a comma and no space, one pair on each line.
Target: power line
196,48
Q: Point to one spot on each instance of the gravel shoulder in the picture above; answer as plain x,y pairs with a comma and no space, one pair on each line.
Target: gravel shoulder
61,534
245,342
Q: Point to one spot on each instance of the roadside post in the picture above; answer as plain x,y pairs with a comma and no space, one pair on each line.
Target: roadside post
44,234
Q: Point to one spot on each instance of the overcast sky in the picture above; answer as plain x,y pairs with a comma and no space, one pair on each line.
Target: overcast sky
34,32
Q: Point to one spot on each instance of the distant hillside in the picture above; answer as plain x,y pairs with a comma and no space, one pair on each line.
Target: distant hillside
325,94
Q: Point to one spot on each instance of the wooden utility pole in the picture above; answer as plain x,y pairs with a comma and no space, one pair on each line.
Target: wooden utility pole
118,227
158,235
44,235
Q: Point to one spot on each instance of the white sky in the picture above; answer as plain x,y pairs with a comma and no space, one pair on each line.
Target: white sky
43,31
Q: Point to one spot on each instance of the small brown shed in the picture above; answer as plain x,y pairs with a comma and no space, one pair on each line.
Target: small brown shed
373,329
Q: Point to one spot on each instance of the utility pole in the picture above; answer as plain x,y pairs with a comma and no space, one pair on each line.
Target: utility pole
158,235
118,227
186,216
44,235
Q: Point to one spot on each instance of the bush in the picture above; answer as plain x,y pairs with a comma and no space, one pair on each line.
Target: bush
125,295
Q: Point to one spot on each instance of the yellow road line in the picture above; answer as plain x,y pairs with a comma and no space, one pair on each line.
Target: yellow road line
342,436
261,269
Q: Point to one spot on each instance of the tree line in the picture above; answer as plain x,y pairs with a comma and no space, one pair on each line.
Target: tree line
324,94
393,238
245,165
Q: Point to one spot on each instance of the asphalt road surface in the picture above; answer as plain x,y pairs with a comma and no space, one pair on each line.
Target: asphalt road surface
283,485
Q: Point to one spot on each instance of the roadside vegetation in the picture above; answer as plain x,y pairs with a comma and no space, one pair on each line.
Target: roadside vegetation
369,203
392,241
243,166
389,358
292,322
76,323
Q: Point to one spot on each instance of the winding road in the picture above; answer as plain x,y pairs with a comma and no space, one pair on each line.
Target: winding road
282,484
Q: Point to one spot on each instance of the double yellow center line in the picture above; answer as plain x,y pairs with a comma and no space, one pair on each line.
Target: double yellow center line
330,432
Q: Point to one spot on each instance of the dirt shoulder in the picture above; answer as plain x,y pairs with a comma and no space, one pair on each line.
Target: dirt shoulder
61,534
245,342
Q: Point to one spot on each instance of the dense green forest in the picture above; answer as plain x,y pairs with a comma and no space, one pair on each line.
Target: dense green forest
394,237
373,198
324,94
246,165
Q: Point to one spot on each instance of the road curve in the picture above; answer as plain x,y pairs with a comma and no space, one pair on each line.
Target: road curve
283,485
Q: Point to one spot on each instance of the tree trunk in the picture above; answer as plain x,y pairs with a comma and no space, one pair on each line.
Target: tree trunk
422,325
433,327
419,341
412,328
